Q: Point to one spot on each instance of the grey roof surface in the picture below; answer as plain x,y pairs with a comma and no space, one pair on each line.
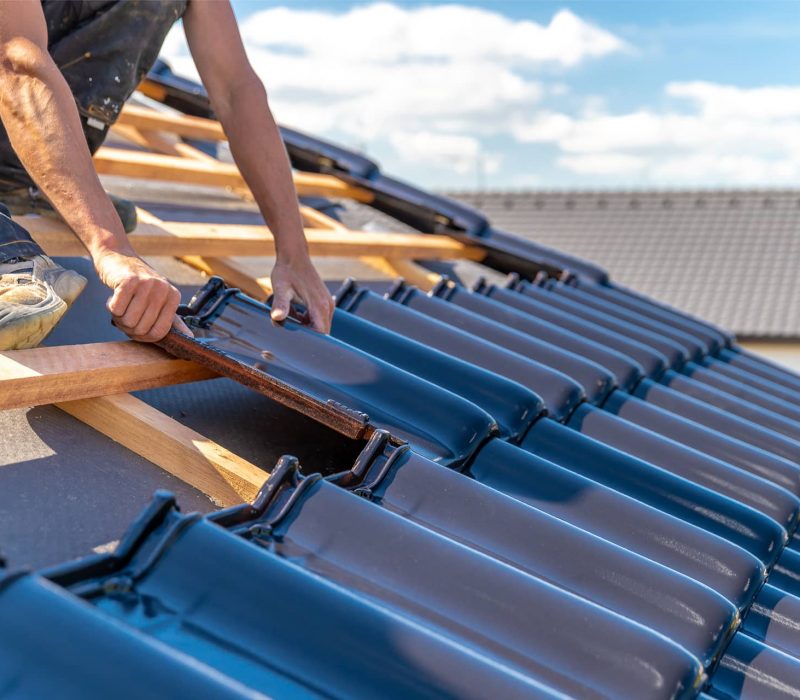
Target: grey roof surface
730,257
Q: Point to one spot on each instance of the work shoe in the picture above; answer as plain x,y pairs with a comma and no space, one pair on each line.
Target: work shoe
34,294
30,200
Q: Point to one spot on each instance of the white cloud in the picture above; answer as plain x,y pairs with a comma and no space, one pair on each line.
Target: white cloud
723,101
447,151
720,134
431,80
384,33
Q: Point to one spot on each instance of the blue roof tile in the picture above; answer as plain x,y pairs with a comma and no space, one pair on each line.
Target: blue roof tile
562,489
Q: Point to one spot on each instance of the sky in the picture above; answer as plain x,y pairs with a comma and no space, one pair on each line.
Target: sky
528,94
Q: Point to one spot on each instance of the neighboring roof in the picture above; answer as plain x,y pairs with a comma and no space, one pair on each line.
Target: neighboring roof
730,257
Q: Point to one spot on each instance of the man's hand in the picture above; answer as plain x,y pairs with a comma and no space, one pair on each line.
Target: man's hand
299,280
143,302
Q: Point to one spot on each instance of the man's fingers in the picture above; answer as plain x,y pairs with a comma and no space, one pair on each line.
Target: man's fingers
179,325
117,305
124,329
160,327
150,315
321,314
281,303
136,308
164,316
319,324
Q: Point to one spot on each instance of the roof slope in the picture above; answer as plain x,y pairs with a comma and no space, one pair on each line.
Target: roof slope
544,487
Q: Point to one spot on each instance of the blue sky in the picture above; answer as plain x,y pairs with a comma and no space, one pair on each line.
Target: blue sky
527,94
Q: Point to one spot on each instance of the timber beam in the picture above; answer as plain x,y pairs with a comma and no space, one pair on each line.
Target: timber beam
66,373
222,475
184,125
137,164
220,240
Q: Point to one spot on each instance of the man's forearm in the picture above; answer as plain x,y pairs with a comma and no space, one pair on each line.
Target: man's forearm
259,152
240,102
43,125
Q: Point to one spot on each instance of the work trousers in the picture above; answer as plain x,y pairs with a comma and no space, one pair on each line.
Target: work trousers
103,49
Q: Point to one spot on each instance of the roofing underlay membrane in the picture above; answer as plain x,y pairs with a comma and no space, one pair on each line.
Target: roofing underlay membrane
555,488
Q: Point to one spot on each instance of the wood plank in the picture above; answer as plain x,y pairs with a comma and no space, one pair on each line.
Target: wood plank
227,268
226,240
136,164
165,144
64,373
236,275
58,239
182,124
45,225
161,143
325,242
145,217
129,133
219,473
316,219
232,271
152,90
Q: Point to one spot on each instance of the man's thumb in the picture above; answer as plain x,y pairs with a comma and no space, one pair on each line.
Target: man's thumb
280,306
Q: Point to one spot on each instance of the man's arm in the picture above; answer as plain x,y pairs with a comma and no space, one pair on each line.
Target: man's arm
41,118
240,103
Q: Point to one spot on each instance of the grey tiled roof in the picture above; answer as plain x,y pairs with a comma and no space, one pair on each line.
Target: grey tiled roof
731,257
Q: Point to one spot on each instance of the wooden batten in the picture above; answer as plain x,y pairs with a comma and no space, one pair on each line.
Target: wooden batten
154,166
66,373
228,240
181,124
219,473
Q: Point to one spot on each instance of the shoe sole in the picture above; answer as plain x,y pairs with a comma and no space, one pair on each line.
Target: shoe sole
30,330
25,326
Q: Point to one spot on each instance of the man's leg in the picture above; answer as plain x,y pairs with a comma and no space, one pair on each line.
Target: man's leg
34,291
